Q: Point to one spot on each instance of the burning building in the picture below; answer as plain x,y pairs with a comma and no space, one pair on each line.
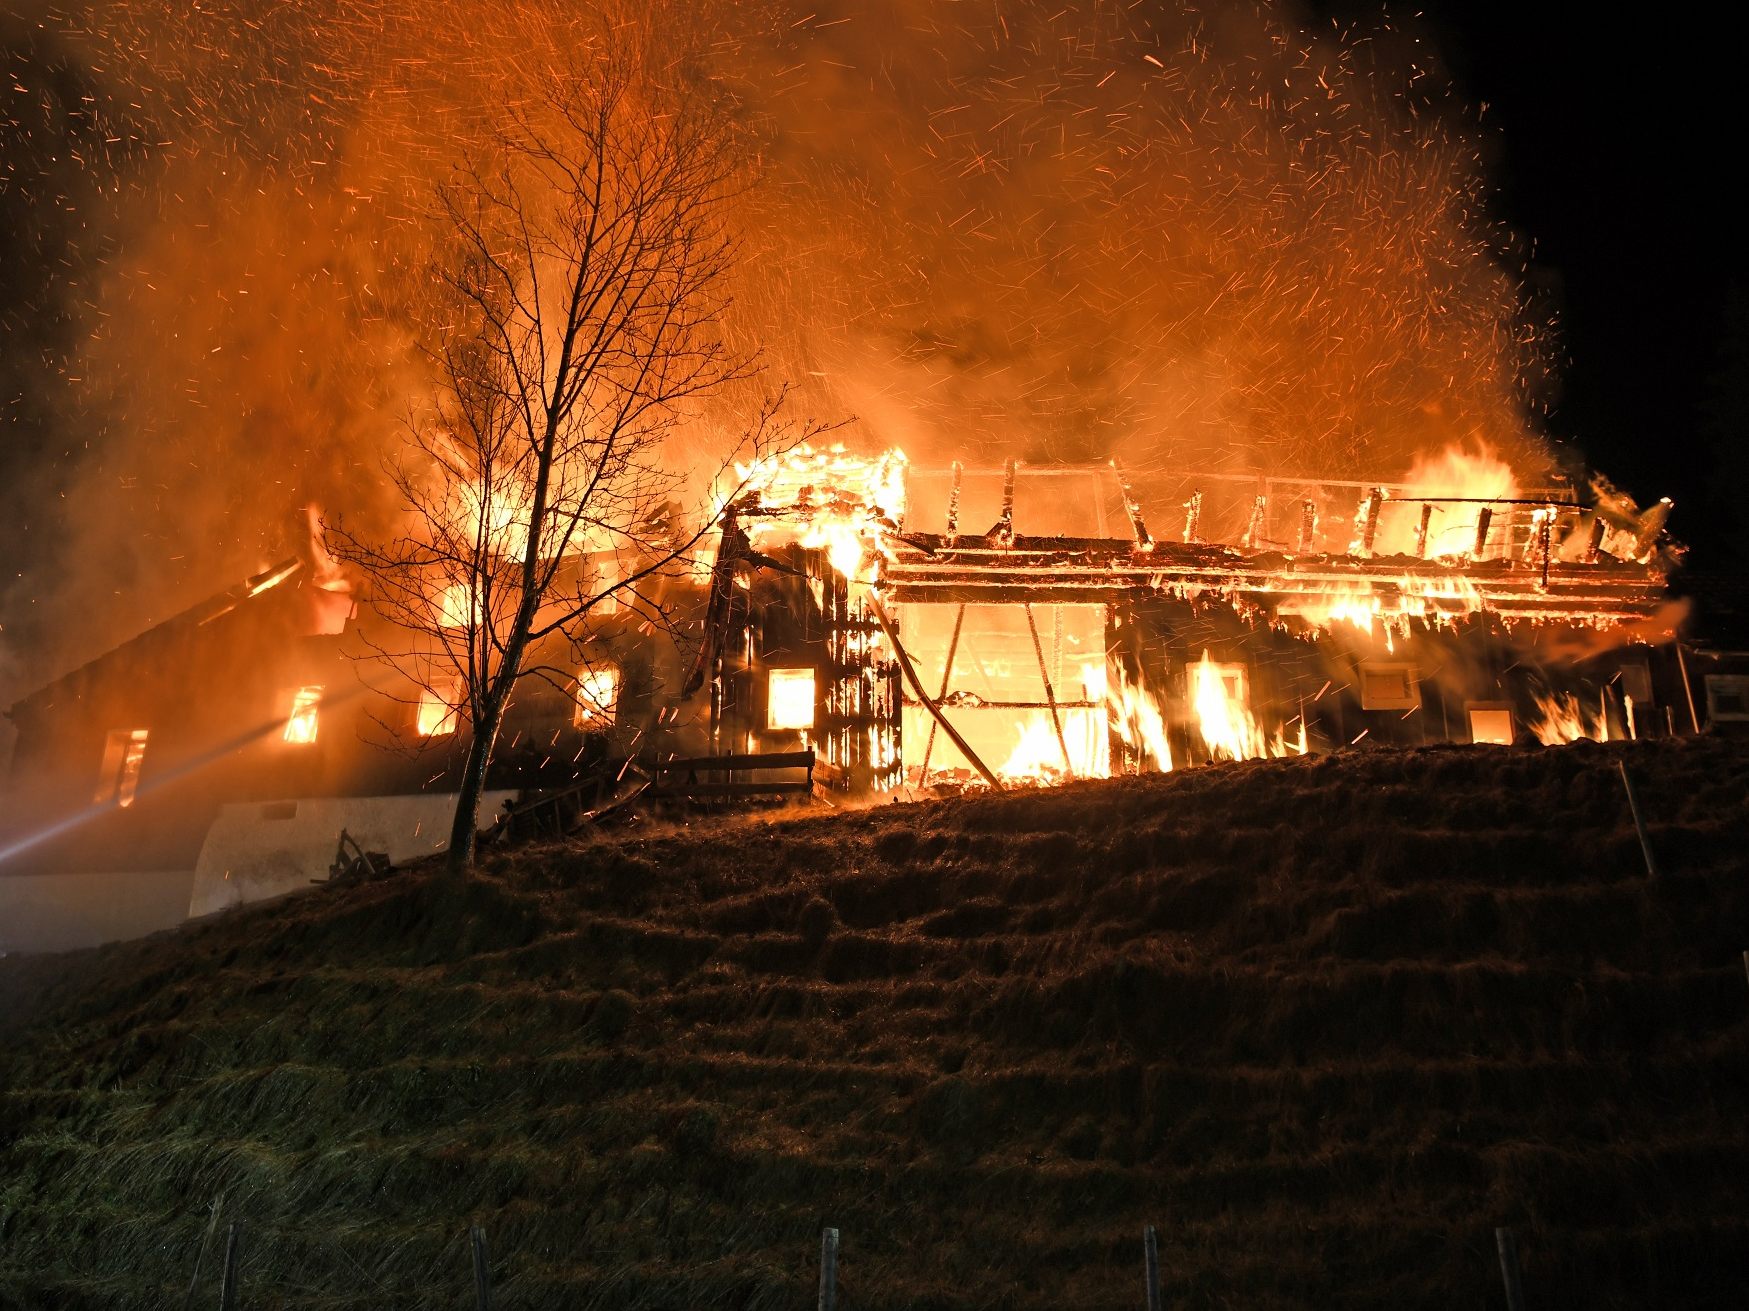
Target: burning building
954,626
872,628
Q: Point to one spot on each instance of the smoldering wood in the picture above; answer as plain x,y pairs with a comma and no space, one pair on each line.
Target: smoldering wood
1484,517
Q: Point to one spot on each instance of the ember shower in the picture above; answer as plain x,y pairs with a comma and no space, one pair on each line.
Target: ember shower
1034,231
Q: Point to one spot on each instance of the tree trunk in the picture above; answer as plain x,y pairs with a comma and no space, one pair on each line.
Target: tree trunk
464,830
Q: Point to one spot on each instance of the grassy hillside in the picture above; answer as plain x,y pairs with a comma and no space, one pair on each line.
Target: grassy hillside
1325,1022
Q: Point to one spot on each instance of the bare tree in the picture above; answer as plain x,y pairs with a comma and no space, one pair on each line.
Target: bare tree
588,270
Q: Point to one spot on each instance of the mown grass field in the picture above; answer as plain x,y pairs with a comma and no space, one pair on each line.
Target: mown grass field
1324,1022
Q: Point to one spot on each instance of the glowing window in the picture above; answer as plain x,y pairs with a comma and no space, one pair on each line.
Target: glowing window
1727,698
1491,724
597,690
437,713
118,778
789,700
301,726
1388,687
455,604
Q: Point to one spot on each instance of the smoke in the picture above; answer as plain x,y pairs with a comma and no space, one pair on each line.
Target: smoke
1048,231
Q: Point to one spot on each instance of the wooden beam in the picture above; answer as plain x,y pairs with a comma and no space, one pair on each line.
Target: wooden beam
910,672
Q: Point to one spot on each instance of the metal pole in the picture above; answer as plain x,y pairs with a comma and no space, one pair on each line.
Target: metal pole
206,1241
1639,824
1507,1243
1151,1264
482,1269
828,1269
1687,688
228,1287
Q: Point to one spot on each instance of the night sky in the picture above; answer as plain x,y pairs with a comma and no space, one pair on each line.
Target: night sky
1616,147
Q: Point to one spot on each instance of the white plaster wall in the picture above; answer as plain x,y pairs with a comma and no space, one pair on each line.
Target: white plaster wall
65,911
255,851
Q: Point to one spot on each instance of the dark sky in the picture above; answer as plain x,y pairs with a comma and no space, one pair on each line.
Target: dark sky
1616,146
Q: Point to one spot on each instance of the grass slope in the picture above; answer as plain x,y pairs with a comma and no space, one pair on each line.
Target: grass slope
1326,1022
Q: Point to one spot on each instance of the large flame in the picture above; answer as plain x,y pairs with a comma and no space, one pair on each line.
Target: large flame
1228,728
829,499
1461,472
1561,719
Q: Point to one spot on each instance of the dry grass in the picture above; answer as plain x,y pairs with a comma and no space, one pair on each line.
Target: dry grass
1325,1022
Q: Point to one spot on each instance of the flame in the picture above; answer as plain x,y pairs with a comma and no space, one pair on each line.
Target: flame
1458,471
1134,714
1561,719
301,726
597,692
437,713
1038,755
1228,728
828,499
1367,607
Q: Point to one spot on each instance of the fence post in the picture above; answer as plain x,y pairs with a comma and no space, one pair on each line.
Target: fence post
228,1288
1507,1243
1151,1264
828,1269
1639,824
482,1269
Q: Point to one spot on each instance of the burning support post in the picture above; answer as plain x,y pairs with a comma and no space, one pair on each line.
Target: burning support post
1545,524
953,505
1131,508
1484,519
1308,525
1193,517
1254,528
1005,525
1421,532
1367,523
